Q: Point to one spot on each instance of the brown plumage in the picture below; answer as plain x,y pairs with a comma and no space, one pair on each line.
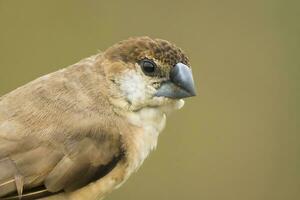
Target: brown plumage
135,49
78,133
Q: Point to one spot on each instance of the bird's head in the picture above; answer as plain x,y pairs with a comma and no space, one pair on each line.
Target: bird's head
145,72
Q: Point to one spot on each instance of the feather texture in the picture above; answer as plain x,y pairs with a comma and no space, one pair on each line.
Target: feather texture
54,170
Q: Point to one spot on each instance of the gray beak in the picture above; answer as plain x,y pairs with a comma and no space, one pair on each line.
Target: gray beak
180,85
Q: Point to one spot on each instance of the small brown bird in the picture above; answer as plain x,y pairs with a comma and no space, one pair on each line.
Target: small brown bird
80,132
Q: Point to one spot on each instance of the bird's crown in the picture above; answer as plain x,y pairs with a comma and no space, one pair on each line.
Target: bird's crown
138,48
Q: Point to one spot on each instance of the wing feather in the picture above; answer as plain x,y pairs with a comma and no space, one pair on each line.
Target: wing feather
51,169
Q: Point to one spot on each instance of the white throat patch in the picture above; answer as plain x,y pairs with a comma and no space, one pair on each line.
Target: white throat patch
133,86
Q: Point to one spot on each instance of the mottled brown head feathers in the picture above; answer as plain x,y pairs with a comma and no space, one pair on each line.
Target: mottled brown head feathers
138,48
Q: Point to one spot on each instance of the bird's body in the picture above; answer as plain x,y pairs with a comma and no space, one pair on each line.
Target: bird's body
80,132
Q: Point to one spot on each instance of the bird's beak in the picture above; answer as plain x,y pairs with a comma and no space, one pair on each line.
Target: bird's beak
180,85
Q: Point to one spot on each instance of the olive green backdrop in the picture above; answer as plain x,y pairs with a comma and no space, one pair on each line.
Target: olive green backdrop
239,139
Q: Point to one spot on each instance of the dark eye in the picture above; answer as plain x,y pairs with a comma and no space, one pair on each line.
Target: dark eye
148,66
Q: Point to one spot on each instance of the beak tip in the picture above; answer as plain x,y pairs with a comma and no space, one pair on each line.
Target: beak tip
192,93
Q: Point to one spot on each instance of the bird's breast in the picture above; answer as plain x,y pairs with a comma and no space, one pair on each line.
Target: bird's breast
148,123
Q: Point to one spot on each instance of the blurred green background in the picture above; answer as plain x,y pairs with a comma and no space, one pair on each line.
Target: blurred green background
239,139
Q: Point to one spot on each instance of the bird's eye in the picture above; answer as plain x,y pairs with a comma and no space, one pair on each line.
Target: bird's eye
148,66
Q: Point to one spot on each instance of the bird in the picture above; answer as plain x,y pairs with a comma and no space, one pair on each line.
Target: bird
80,132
